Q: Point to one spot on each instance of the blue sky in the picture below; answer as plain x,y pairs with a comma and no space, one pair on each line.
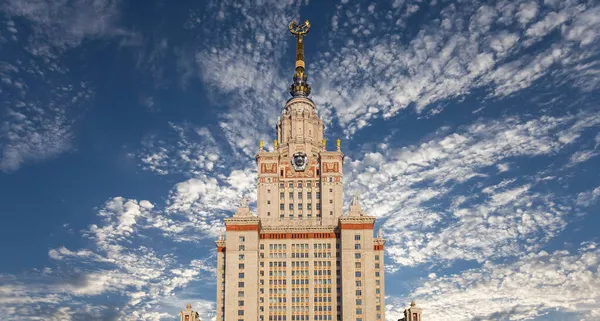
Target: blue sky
470,129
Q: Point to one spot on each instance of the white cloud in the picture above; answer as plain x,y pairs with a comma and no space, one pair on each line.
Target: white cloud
120,262
241,60
532,286
581,156
197,206
381,74
41,98
407,187
588,198
195,151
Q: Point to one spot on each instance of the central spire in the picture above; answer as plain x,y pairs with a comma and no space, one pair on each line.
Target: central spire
300,86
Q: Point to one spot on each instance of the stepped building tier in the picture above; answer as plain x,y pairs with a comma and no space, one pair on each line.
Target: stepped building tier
299,257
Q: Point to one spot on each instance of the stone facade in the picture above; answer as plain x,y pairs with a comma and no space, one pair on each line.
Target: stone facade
300,258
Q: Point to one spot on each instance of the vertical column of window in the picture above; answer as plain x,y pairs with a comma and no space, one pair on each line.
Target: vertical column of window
300,200
338,272
378,285
291,201
358,278
241,276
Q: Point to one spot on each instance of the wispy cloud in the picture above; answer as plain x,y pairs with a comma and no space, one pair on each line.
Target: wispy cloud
40,97
120,262
532,286
385,65
429,194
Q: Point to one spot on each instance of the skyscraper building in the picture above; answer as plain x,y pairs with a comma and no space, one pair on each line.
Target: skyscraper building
300,257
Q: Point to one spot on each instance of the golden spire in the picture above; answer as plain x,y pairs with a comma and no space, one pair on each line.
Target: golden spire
300,86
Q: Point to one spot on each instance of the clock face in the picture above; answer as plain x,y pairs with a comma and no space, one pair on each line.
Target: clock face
299,161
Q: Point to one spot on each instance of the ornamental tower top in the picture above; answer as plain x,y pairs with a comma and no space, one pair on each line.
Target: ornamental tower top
300,86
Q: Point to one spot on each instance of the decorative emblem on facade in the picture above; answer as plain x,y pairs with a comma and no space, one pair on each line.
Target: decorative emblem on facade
299,161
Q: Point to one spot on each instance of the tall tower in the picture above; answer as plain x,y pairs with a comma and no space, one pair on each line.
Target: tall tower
299,258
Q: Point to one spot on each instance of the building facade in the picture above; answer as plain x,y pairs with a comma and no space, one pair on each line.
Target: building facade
300,257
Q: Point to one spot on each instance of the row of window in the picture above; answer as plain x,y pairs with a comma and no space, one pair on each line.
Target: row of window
300,184
300,206
300,195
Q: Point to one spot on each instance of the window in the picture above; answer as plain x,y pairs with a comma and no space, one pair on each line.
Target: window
318,184
309,195
309,206
281,174
240,303
358,292
357,274
241,265
376,257
357,237
241,247
358,283
357,265
318,195
242,239
268,202
358,301
262,246
240,312
240,294
357,255
377,291
241,256
291,206
330,213
300,206
357,246
308,184
299,184
281,206
376,265
281,195
299,195
331,190
268,213
291,195
330,201
358,311
377,274
330,179
241,275
281,185
291,185
240,284
318,206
